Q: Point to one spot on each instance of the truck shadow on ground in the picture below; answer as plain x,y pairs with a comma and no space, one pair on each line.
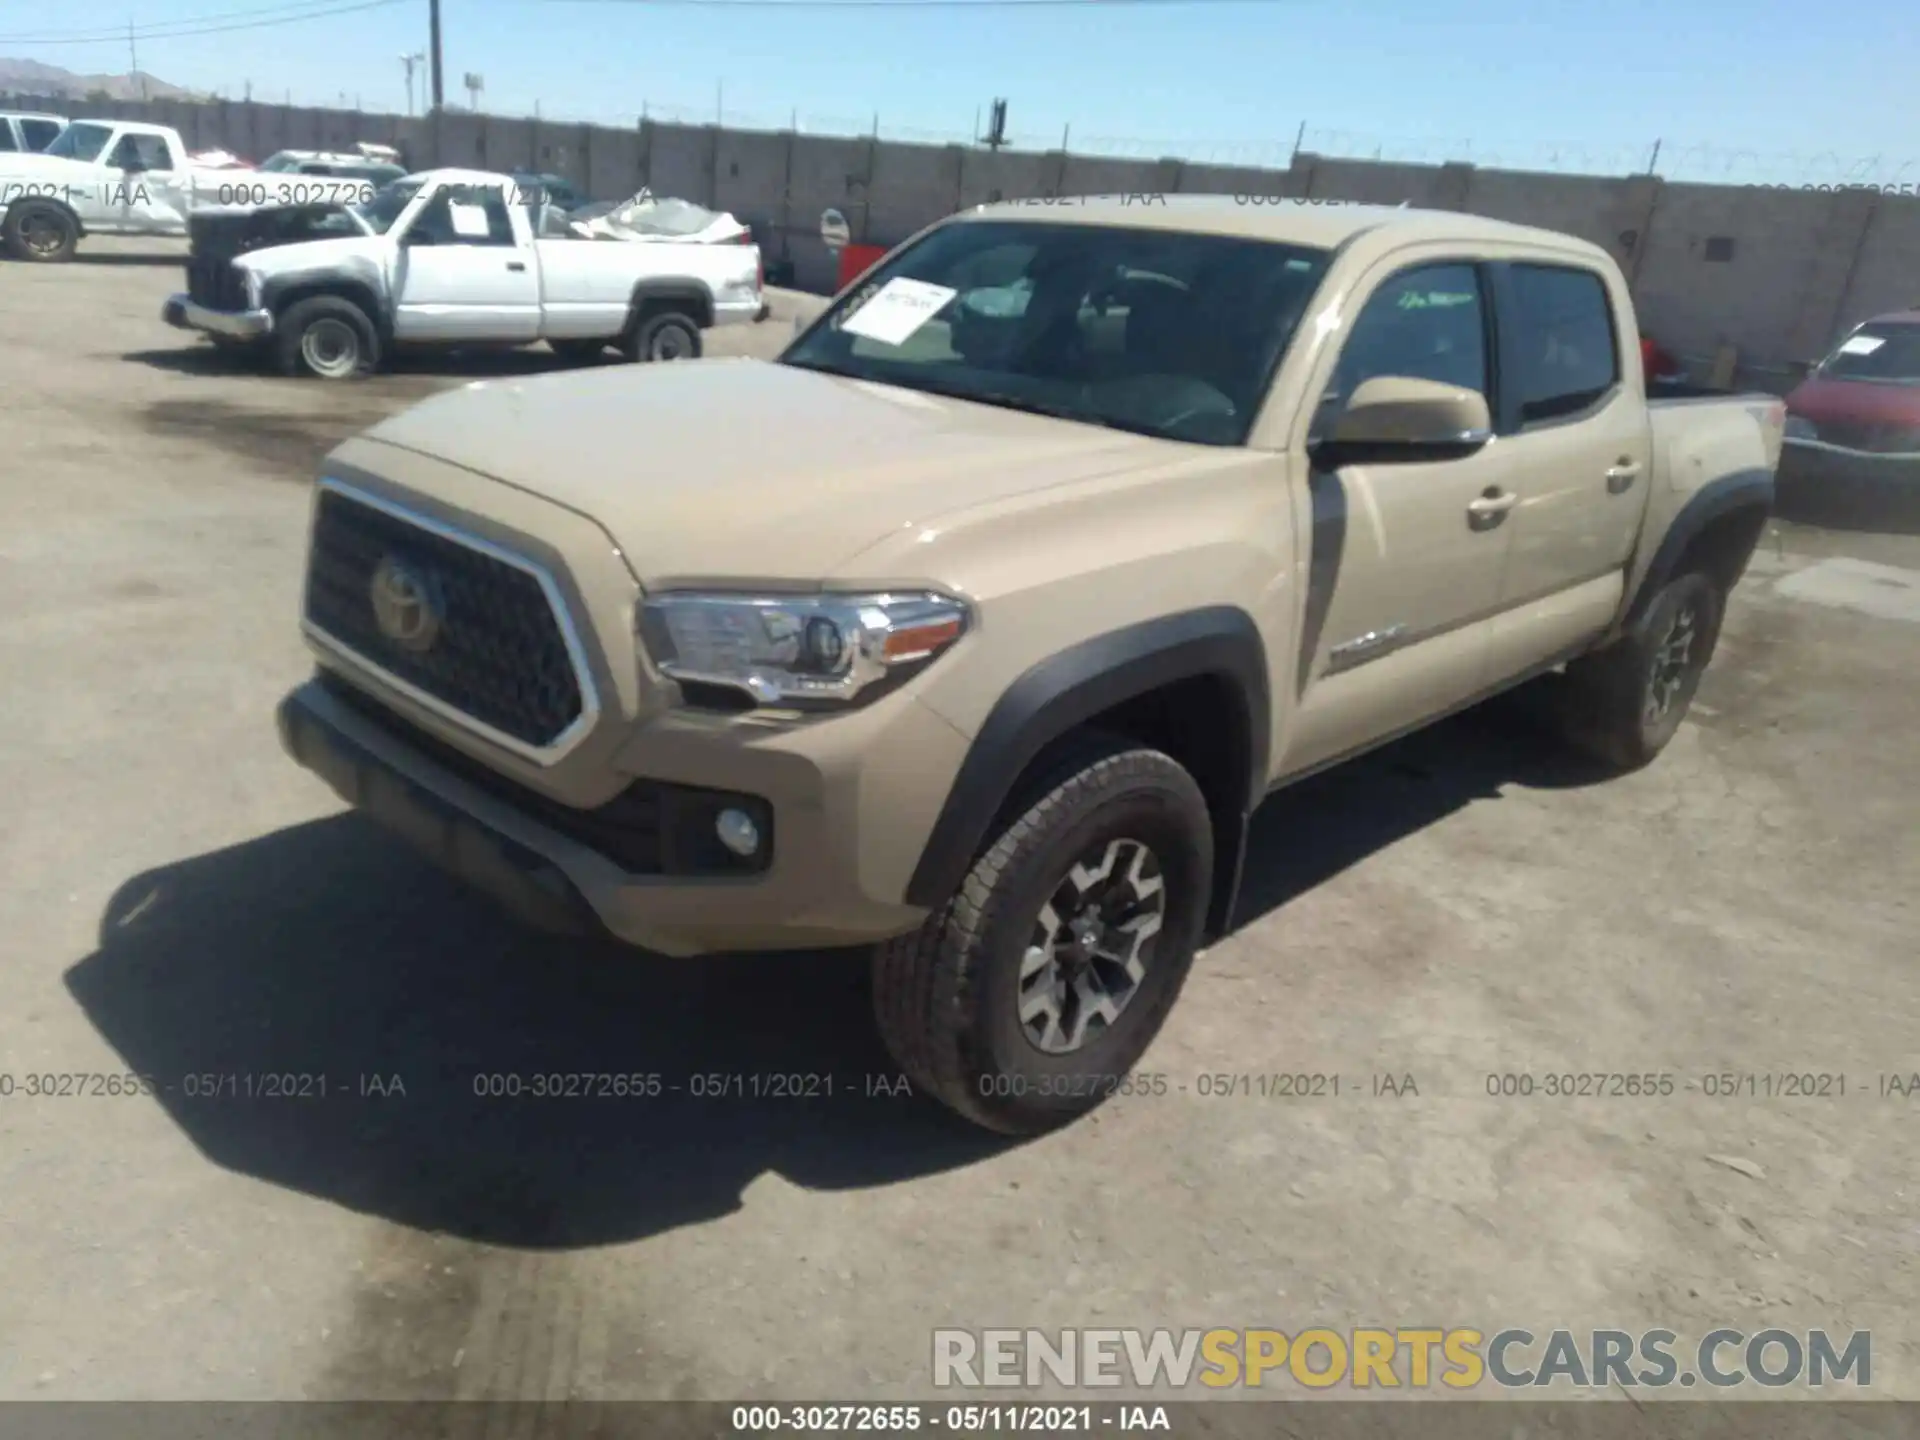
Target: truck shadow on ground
327,954
1312,831
192,357
328,950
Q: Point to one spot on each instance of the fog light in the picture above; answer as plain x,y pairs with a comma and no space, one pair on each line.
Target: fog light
737,832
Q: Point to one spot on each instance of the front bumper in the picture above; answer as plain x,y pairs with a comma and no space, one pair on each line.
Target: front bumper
812,897
183,313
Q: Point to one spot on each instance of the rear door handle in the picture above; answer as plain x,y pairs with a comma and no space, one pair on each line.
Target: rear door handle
1621,477
1491,508
516,264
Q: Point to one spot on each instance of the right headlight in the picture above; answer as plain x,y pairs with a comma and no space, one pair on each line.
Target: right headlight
824,651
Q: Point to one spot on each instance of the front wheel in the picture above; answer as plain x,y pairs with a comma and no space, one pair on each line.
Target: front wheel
40,231
327,337
1624,704
1027,1000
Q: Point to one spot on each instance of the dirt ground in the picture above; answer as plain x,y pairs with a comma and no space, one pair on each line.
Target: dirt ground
180,899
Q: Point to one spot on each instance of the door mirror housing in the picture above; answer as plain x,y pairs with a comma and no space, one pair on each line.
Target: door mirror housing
1399,419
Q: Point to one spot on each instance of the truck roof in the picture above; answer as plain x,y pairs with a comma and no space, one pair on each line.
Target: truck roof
1324,224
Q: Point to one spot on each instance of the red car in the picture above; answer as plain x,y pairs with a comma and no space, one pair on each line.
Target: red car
1852,449
1865,397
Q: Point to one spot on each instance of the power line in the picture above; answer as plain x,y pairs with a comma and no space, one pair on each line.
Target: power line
197,26
921,4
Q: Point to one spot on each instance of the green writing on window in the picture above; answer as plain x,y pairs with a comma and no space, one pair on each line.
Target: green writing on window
1435,299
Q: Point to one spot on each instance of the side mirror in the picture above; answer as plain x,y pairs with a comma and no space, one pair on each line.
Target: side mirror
1398,419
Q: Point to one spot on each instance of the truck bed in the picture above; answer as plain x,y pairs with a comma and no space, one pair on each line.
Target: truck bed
1720,431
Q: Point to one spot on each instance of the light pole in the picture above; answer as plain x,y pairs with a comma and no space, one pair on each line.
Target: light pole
410,61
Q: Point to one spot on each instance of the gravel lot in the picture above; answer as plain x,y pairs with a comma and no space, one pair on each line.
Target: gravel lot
180,899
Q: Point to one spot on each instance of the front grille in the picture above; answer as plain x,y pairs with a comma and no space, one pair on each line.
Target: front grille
650,828
216,285
498,655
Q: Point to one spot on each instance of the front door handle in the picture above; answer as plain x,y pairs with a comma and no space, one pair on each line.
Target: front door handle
516,264
1621,477
1491,508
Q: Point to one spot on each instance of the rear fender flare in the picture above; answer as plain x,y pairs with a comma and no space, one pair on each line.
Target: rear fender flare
1750,490
691,295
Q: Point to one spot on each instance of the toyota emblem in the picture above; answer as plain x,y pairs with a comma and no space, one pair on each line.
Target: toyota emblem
406,604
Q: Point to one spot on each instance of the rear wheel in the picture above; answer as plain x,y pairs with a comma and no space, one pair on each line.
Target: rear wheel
327,337
1027,1000
40,231
1625,703
660,335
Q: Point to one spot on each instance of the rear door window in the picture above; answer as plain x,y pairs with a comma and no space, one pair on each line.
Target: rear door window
39,133
1565,356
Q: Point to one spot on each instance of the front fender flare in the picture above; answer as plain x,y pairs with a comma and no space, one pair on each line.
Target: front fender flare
1065,691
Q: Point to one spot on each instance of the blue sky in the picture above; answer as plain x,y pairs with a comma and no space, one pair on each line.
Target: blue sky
1752,91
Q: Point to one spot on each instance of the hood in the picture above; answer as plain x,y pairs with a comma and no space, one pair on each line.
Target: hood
275,258
221,232
1856,402
741,470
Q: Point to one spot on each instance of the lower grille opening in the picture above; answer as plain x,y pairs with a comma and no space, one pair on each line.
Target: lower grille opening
650,828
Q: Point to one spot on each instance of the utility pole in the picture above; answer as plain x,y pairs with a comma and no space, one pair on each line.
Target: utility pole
996,135
410,61
133,62
433,28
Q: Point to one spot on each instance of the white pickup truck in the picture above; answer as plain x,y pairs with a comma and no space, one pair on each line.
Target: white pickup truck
449,258
124,177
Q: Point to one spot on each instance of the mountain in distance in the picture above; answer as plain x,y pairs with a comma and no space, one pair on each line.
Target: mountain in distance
30,77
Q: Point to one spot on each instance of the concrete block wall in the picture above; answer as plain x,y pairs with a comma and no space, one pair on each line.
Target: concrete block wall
1779,274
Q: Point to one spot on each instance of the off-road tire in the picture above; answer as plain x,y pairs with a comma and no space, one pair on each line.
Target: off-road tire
1608,710
660,335
579,352
335,319
42,218
946,996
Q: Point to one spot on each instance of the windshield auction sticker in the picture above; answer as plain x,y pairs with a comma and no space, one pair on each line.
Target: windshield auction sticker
896,310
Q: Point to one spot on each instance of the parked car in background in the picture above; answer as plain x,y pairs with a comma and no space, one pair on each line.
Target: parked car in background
348,165
1853,429
552,189
445,258
27,130
125,177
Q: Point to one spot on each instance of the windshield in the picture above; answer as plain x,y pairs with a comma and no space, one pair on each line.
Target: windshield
384,208
1156,332
280,163
81,141
1878,351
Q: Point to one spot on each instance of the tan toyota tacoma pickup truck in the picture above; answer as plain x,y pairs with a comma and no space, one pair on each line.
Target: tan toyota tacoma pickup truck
1055,545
